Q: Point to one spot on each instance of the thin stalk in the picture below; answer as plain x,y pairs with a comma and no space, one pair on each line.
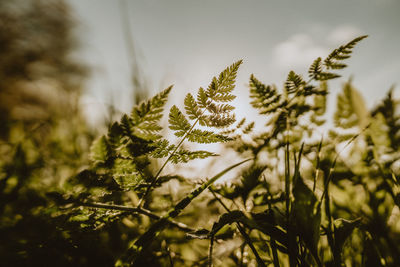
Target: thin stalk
142,211
242,231
292,253
210,250
329,230
318,164
171,262
274,249
287,181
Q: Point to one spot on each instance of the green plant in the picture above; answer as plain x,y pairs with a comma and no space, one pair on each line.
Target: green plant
288,206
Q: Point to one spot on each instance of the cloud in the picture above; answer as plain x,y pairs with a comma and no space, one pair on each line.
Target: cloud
344,34
298,51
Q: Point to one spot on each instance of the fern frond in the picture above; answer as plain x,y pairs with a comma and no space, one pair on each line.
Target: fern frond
217,120
203,111
126,125
324,76
202,98
226,80
185,156
146,116
192,108
293,83
315,68
249,128
220,89
178,122
351,109
126,174
100,151
115,136
313,90
162,149
241,123
212,88
388,108
265,98
219,108
223,97
341,53
206,137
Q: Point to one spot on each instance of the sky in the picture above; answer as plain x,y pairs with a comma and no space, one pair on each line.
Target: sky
187,42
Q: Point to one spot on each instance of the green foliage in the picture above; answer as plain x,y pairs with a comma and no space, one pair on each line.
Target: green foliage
303,199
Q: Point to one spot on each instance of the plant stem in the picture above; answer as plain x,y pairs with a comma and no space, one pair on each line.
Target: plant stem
210,250
274,249
143,211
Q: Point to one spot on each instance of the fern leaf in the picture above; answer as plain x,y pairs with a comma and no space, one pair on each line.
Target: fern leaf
220,89
100,151
185,156
115,136
162,149
223,97
293,83
212,88
221,108
265,98
206,137
146,116
217,120
341,53
192,108
178,122
324,76
249,128
315,68
351,110
388,109
202,98
226,80
241,123
127,126
126,174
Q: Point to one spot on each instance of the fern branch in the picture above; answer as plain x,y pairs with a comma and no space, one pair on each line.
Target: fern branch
143,211
341,53
219,90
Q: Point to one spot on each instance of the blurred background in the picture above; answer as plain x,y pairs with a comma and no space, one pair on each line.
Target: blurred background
111,54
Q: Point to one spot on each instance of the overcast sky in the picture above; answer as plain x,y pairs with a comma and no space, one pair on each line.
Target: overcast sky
186,42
